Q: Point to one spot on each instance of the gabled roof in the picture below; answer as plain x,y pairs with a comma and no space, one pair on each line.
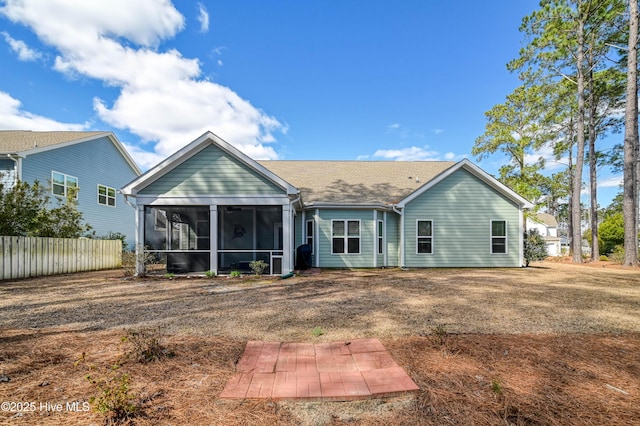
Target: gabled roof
27,142
192,149
478,173
546,219
356,182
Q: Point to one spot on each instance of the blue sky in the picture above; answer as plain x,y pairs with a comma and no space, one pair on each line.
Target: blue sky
306,79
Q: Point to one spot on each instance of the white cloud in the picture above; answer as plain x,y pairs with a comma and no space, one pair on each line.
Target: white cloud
13,117
438,131
144,159
163,97
25,53
611,182
550,162
413,153
203,18
393,126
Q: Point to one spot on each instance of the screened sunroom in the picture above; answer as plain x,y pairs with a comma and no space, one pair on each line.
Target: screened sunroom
180,237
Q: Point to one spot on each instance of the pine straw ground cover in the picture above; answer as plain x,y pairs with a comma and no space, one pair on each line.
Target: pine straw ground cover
553,344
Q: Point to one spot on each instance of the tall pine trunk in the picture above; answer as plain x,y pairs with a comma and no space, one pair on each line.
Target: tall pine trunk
630,191
595,246
576,179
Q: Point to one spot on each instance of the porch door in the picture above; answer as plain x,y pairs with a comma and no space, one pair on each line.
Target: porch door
278,244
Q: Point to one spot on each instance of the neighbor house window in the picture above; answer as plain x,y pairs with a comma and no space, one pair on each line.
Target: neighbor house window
106,195
310,234
345,236
64,185
380,237
424,237
498,236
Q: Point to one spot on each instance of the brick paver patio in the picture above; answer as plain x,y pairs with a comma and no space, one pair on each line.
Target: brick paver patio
357,369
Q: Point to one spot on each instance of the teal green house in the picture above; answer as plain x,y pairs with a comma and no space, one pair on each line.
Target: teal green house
209,207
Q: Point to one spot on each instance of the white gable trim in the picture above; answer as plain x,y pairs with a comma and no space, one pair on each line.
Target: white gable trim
477,172
192,149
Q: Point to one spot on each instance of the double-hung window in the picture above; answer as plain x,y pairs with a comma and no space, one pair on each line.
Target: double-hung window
106,195
380,236
498,236
424,237
345,236
310,227
64,185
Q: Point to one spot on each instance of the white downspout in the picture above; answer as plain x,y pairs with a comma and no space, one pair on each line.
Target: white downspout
385,260
18,169
292,243
401,213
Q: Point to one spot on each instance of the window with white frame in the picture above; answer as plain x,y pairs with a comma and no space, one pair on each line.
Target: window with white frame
424,237
345,236
380,237
106,195
498,236
64,185
309,241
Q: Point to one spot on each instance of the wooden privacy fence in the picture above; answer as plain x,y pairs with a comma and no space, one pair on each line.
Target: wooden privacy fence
23,257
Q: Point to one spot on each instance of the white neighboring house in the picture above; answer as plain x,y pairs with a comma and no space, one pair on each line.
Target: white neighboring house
547,226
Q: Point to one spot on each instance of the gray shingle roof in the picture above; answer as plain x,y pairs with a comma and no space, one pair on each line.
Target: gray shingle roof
14,141
356,182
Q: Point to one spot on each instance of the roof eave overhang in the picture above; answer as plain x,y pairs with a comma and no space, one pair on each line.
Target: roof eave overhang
112,137
477,172
344,206
179,157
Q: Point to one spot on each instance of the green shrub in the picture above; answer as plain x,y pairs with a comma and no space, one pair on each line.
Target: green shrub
210,274
317,332
258,266
114,399
235,274
604,258
618,254
535,248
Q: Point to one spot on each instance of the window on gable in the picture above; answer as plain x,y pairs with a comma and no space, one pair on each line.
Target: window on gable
64,185
424,237
345,236
106,195
310,234
498,236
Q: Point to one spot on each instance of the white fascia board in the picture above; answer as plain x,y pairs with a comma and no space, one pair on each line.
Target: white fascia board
477,172
205,200
354,206
62,145
192,149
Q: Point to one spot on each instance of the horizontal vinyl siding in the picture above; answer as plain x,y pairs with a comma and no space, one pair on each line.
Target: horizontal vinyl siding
362,260
93,162
212,172
461,208
393,239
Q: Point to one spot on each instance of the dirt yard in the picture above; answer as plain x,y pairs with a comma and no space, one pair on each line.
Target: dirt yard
554,344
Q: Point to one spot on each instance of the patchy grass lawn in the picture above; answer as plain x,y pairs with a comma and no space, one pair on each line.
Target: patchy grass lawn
552,344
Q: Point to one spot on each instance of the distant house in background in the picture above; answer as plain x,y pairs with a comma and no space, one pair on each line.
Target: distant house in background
211,207
93,163
547,227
